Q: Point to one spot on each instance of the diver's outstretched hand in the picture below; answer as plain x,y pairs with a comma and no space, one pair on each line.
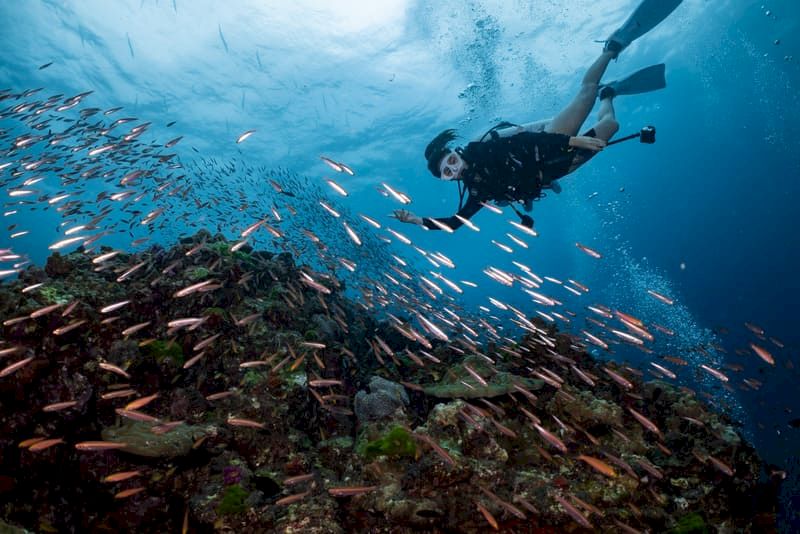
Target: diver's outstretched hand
406,217
587,143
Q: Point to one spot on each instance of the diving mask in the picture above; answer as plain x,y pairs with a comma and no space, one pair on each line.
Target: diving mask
451,166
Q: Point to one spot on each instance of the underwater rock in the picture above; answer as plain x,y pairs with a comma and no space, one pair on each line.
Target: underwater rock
406,511
325,327
499,383
385,398
319,516
586,409
57,265
140,440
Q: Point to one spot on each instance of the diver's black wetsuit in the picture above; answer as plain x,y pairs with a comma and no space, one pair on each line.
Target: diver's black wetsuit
509,169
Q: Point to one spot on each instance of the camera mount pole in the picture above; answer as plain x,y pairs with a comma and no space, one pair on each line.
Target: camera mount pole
623,139
647,135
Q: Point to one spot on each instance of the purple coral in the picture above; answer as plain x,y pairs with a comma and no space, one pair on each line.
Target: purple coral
231,475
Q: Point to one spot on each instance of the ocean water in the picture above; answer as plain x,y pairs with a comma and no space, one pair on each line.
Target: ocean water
707,215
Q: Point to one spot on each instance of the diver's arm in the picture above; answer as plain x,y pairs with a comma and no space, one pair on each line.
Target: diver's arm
472,207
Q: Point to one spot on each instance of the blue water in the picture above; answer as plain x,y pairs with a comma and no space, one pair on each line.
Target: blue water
706,215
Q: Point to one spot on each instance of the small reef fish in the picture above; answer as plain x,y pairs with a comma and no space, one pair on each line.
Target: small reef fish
59,406
99,445
598,465
550,438
332,164
763,353
129,493
336,187
121,476
242,138
291,499
488,516
591,252
645,422
15,367
350,491
659,296
45,444
573,512
247,423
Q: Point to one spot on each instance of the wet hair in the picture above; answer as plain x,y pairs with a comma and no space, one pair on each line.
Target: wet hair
437,149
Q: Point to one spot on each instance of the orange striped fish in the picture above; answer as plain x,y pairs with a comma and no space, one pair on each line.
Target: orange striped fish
45,444
129,492
598,465
141,403
488,516
122,475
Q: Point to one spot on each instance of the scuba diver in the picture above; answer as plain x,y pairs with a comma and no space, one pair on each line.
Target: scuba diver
513,163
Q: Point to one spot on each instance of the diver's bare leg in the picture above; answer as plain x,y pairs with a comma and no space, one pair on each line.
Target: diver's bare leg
570,119
605,129
607,124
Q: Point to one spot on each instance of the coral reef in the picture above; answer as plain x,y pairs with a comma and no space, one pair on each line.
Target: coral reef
244,408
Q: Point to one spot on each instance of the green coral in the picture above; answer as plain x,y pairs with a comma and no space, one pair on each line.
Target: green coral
275,292
298,377
223,249
196,273
163,350
54,295
690,524
254,377
396,443
344,443
233,501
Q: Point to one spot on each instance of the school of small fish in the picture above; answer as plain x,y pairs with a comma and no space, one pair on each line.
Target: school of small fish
114,194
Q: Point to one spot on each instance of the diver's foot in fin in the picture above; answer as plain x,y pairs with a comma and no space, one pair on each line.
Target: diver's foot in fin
614,47
644,18
642,81
606,91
